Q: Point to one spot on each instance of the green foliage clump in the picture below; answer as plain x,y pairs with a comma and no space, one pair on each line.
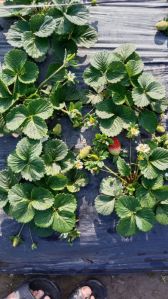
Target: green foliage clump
60,26
127,99
126,94
42,178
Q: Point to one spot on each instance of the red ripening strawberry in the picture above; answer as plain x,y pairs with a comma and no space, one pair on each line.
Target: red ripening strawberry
115,147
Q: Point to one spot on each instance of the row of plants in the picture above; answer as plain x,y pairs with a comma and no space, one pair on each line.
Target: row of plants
43,176
126,99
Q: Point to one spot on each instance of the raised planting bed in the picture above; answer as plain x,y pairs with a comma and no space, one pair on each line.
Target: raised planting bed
99,249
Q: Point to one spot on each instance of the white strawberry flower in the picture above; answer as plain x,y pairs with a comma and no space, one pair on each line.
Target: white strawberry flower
143,148
79,164
71,77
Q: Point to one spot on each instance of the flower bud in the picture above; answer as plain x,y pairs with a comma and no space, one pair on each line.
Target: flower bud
160,129
84,152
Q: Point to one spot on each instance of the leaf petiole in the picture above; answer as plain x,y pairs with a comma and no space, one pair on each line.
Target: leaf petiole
116,175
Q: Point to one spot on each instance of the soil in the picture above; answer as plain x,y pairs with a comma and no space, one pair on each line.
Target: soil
128,286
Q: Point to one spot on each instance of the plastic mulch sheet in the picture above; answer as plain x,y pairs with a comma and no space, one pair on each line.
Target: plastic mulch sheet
99,249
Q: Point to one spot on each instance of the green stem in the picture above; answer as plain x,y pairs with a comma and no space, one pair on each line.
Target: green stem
52,75
31,235
65,111
21,230
139,176
116,175
130,151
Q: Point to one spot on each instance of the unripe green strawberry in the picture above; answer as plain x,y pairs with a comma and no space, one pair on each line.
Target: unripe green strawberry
84,152
16,241
34,246
94,2
162,25
57,130
160,129
115,147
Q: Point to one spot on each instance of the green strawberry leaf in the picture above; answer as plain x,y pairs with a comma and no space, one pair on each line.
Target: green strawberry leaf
41,108
65,202
6,99
127,226
72,12
57,182
30,118
94,78
27,148
14,35
105,109
112,126
25,160
134,67
123,167
145,219
153,184
23,211
63,216
155,163
76,181
29,73
162,214
42,199
16,117
7,180
101,61
42,26
34,170
35,128
149,90
15,60
111,186
36,47
37,198
104,204
124,51
77,13
116,72
44,219
63,26
146,197
126,206
63,222
113,117
159,158
161,193
55,151
84,36
148,120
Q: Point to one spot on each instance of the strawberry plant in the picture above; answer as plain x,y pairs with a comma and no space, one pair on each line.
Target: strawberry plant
128,100
39,185
38,188
123,93
57,25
